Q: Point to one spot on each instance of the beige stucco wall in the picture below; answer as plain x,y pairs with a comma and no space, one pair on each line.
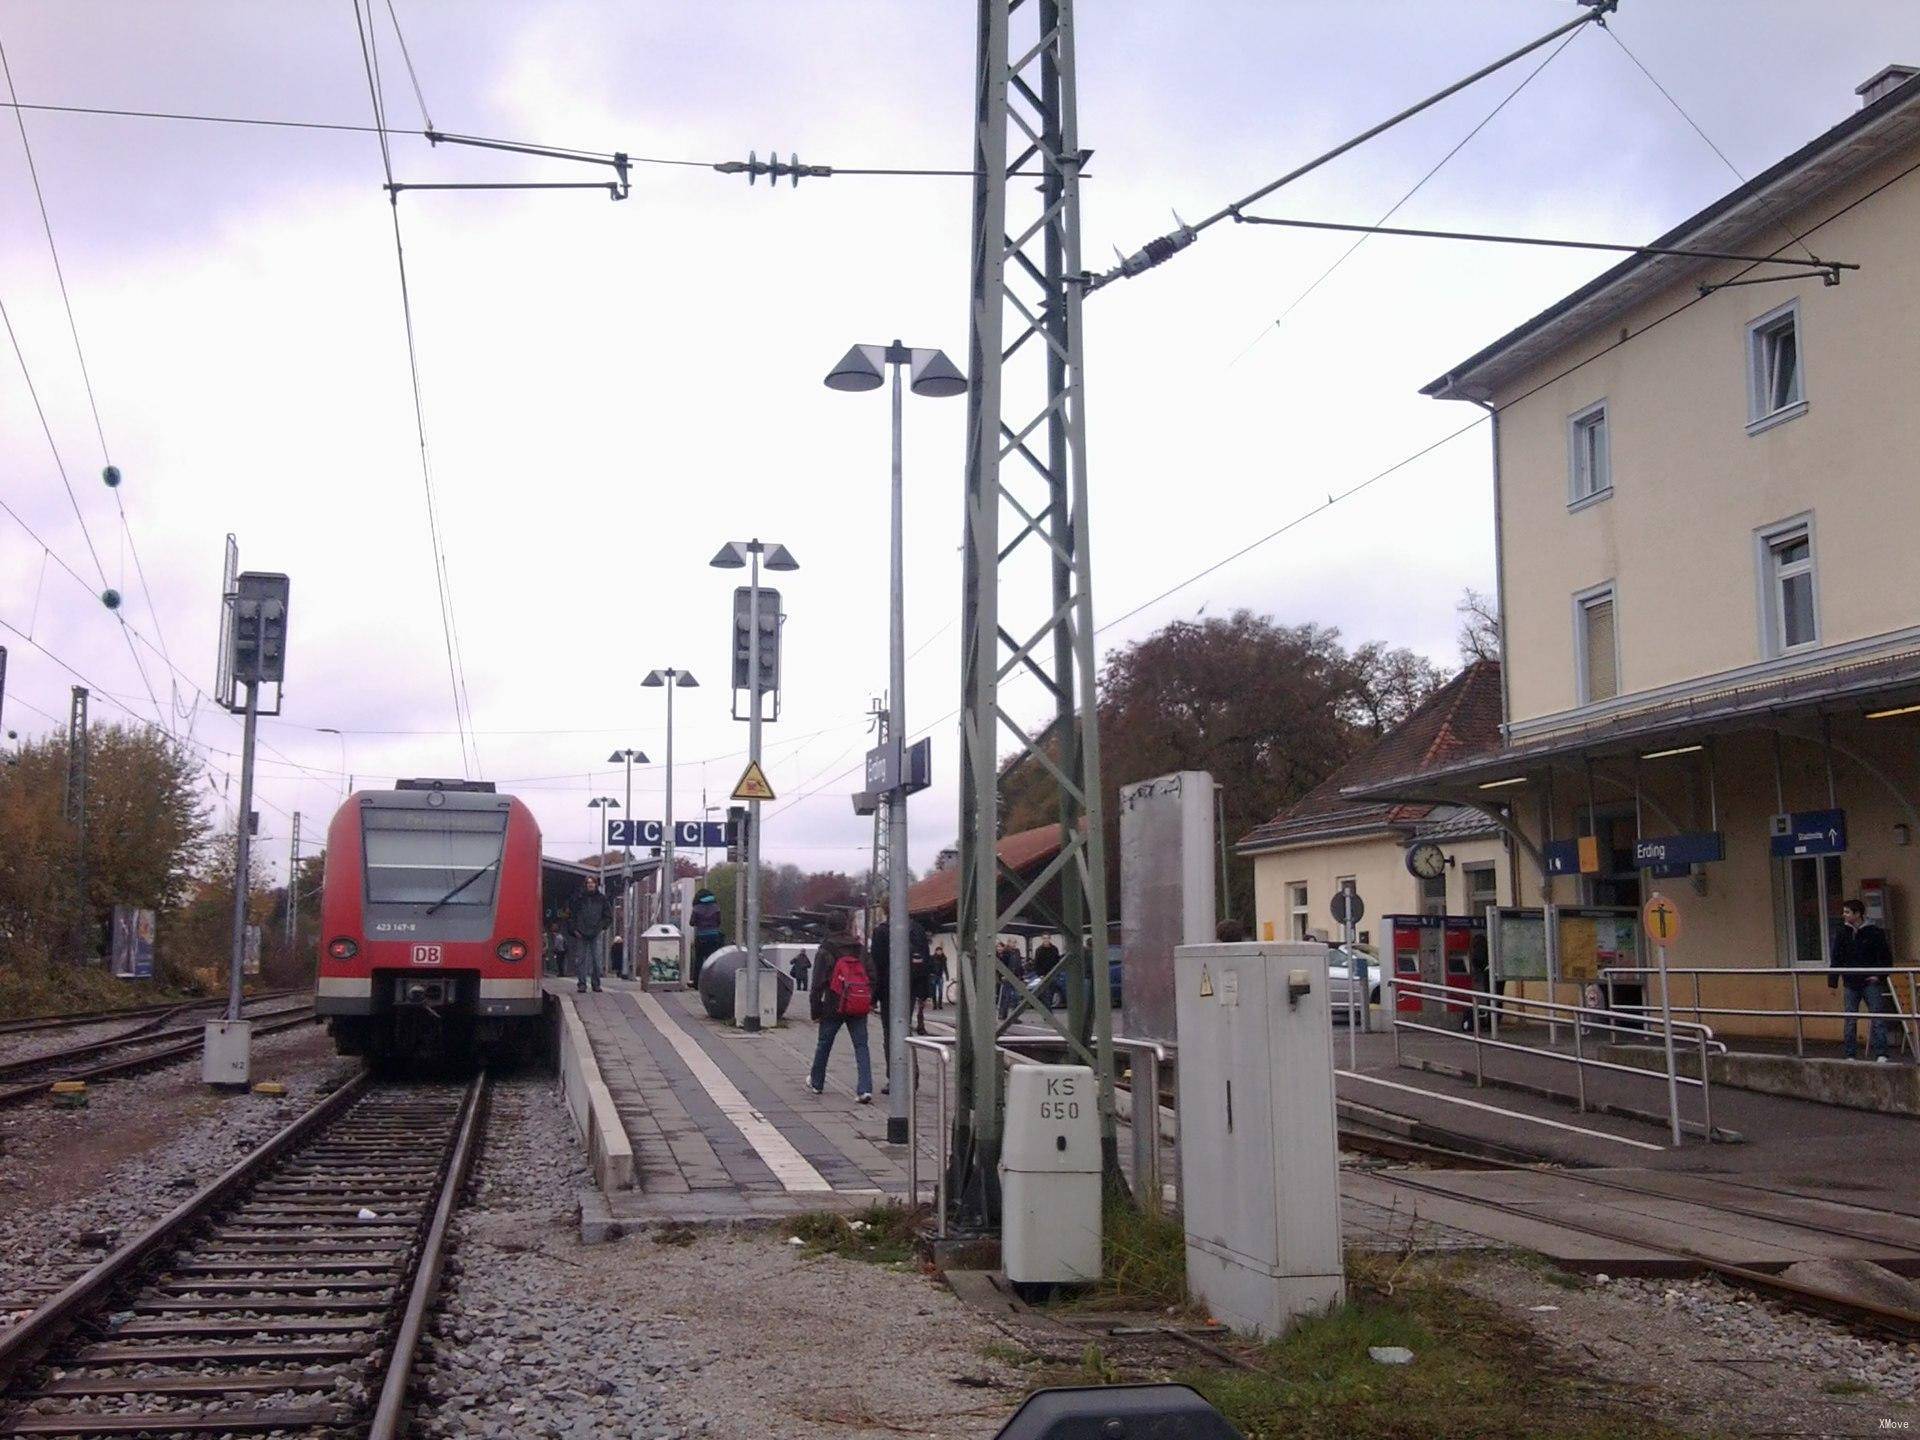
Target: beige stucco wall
1380,875
1691,486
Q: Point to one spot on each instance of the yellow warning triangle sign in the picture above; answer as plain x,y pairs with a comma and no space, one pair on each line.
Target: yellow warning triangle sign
1206,982
753,784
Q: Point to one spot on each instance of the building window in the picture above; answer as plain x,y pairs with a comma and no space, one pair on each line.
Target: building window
1589,455
1776,378
1789,614
1596,645
1297,910
1483,889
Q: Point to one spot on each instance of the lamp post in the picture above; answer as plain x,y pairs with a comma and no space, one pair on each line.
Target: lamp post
932,374
602,803
735,555
631,758
670,680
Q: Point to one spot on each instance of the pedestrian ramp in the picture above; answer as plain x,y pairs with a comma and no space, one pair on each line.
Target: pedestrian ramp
720,1123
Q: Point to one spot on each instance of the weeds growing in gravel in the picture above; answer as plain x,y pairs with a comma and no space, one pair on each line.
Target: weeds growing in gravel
1475,1373
1143,1263
883,1234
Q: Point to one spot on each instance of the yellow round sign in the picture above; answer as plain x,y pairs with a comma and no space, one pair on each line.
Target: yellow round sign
1662,919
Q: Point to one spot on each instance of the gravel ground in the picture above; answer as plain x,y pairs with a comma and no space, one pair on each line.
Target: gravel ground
539,1336
73,1183
1711,1359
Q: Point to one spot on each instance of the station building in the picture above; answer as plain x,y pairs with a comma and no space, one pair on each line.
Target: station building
1707,504
1324,841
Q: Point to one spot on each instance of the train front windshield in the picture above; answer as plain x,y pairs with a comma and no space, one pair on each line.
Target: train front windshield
440,858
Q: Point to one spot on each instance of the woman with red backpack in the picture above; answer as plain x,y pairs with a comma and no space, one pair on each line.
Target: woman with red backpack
842,994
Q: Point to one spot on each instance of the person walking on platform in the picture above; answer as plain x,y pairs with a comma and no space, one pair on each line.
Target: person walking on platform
842,996
591,919
1861,951
707,932
918,950
939,970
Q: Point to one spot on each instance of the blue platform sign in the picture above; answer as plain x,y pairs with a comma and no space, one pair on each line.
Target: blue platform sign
1810,832
650,834
1563,857
1690,847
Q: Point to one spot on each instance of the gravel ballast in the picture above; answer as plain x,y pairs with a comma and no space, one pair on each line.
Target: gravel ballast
720,1333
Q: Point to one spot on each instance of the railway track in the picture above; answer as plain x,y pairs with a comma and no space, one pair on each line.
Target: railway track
84,1062
269,1301
1857,1311
76,1019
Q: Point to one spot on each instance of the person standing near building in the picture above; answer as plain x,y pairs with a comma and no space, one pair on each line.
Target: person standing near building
591,919
842,996
1862,959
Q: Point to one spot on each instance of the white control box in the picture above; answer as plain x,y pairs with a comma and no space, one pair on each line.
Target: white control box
1259,1160
769,994
1050,1176
228,1056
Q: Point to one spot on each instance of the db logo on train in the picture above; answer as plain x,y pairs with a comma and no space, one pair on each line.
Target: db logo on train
426,954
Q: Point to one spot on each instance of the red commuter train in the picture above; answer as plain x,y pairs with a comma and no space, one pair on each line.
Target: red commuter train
430,920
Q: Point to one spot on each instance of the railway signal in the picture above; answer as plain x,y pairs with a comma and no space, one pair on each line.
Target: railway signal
762,619
253,653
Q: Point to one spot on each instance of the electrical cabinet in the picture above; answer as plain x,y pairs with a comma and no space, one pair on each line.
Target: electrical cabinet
227,1058
1259,1162
1050,1176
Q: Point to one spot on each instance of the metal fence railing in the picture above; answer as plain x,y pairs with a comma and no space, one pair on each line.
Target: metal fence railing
1905,1022
1483,1032
1152,1064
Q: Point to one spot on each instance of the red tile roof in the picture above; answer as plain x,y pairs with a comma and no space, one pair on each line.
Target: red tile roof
1459,720
937,897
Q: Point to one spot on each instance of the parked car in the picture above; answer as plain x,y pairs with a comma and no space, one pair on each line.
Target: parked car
1343,961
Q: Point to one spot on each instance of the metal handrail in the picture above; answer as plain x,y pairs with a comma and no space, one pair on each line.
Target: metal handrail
1584,1017
943,1049
1797,1013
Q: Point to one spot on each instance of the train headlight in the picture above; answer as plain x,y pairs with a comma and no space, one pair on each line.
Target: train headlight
511,950
341,948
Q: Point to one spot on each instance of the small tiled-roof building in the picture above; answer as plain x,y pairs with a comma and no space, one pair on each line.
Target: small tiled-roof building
1305,853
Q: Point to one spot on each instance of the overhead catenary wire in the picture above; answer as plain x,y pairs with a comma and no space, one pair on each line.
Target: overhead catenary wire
469,756
1158,252
79,350
1412,191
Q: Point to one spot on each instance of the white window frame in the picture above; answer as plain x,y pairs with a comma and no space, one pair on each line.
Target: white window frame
1760,413
1773,635
1299,910
1578,425
1608,590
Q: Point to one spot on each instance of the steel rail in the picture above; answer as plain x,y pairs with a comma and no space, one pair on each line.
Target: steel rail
28,1340
387,1416
1895,1320
146,1033
133,1064
106,1017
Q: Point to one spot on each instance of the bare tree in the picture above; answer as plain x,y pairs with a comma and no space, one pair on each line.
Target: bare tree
1479,626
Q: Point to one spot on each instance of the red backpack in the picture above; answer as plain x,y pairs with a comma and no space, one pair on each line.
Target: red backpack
851,990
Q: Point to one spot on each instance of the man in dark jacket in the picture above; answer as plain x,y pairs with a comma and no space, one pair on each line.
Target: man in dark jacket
828,1008
919,952
707,926
591,919
1861,951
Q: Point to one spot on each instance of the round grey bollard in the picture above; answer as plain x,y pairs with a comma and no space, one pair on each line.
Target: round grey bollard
716,982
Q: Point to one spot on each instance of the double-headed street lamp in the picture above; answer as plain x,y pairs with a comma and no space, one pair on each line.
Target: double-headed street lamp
602,803
671,680
735,555
930,373
631,758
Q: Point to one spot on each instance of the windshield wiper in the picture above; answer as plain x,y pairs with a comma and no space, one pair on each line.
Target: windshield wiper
461,886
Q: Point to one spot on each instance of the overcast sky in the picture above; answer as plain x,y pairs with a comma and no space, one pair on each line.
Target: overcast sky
613,390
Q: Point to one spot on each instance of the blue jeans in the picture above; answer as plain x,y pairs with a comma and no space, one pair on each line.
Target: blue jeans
863,1063
586,960
1876,999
